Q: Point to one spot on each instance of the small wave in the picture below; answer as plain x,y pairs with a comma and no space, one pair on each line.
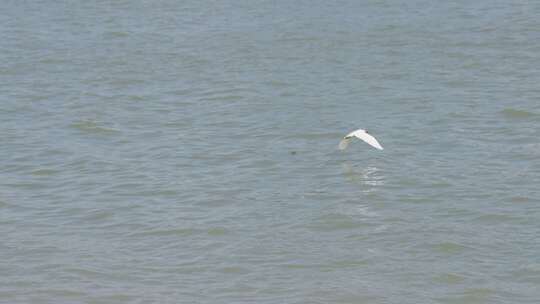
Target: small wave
335,221
217,231
522,199
115,34
165,232
277,84
93,127
450,247
496,218
234,270
226,97
231,94
85,272
450,278
517,114
44,172
312,136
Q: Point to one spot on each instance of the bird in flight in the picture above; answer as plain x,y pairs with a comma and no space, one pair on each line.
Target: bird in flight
361,134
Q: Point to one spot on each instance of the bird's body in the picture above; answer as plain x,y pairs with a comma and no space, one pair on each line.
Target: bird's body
360,134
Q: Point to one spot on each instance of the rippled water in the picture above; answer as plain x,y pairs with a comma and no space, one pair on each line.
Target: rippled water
186,152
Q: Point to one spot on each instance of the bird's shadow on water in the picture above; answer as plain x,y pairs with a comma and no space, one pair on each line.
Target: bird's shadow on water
370,177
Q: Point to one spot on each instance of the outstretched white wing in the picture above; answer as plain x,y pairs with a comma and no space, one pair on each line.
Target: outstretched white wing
363,135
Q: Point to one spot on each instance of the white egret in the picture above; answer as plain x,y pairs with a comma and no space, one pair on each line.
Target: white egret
361,134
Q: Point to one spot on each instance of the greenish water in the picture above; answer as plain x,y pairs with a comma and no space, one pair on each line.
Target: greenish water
186,152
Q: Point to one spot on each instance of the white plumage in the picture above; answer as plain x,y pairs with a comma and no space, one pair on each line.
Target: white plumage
361,134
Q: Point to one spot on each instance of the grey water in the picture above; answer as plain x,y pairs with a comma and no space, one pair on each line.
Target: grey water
186,151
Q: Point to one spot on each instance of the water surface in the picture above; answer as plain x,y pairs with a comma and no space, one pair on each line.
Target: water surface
186,152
